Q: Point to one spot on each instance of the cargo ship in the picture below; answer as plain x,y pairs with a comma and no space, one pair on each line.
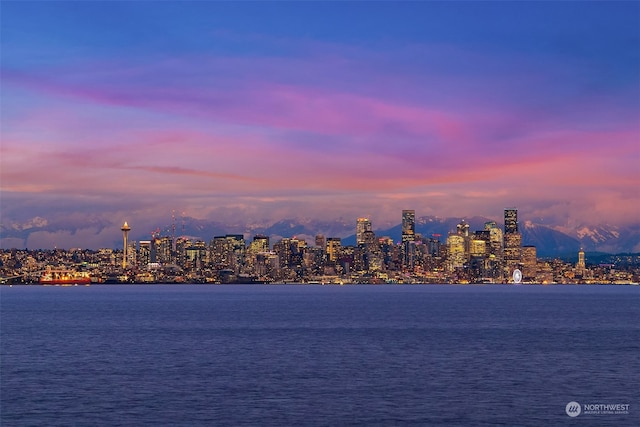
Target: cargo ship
65,277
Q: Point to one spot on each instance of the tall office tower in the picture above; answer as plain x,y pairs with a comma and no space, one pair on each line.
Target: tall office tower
408,225
298,247
580,266
132,259
191,258
362,226
510,221
238,248
163,250
284,249
370,249
463,228
260,243
228,252
266,264
289,252
408,237
490,224
125,236
182,243
512,241
195,254
313,259
529,262
369,239
334,244
478,247
145,253
433,245
455,252
496,240
321,242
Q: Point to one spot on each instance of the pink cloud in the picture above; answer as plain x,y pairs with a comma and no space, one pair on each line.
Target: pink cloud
271,130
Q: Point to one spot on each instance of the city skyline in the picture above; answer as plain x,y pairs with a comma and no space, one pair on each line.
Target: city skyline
470,254
266,111
407,228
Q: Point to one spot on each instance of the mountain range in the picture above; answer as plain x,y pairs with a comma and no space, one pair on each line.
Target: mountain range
99,232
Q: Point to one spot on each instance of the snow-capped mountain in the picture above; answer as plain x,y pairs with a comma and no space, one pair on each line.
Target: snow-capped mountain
98,232
607,238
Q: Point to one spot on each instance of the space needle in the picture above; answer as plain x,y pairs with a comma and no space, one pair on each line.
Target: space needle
125,236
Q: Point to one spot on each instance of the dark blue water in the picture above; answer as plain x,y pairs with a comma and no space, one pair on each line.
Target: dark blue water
317,355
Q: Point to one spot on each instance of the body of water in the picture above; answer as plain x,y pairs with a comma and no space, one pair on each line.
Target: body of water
295,355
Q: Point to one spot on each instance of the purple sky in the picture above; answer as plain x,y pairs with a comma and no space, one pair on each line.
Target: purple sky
221,110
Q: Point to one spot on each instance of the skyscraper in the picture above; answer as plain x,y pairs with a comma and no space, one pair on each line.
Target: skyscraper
162,250
510,221
512,241
334,245
145,253
455,251
125,237
529,262
362,226
408,225
580,266
260,243
496,250
463,228
408,237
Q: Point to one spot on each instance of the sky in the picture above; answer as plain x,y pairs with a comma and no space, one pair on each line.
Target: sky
256,111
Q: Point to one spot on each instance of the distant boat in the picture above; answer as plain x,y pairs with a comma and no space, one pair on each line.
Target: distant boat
65,277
